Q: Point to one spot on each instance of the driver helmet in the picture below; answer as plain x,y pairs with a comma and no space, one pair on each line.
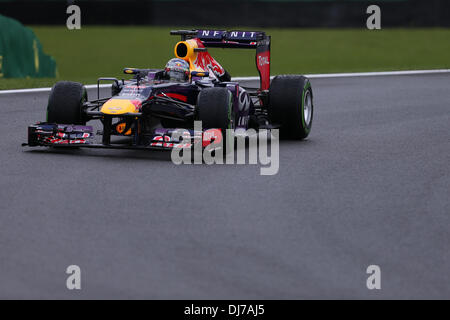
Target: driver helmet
177,70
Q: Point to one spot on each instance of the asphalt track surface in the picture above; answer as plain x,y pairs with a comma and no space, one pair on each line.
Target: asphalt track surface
370,186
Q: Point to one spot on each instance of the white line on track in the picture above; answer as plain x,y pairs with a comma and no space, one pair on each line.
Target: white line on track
311,76
90,86
359,74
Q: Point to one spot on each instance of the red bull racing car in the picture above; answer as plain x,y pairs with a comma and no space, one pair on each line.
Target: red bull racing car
193,86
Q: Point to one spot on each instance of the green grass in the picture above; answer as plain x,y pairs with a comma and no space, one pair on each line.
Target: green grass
86,54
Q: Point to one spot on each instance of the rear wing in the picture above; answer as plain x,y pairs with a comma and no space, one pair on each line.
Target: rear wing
236,39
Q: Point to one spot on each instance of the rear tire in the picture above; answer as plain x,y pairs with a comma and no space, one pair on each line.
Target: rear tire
291,105
65,103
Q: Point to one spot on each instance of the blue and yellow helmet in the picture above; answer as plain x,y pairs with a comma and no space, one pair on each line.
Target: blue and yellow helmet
177,70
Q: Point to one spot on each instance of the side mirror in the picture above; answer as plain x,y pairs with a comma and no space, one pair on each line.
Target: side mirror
131,71
200,74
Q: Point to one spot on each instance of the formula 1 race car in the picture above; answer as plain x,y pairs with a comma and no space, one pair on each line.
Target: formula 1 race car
192,87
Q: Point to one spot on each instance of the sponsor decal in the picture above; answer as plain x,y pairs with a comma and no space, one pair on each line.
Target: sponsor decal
263,65
66,141
211,34
244,100
228,35
211,136
241,35
263,60
166,143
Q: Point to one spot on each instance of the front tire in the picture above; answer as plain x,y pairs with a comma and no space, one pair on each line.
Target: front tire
291,105
65,103
215,110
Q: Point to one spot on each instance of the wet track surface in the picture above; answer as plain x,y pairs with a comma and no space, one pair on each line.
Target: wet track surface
370,186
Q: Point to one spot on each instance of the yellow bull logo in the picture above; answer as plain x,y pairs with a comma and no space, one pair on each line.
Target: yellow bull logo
119,106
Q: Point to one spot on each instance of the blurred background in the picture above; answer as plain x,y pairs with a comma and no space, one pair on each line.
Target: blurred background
308,36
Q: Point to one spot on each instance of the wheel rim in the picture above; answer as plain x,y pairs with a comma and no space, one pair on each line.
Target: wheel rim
307,108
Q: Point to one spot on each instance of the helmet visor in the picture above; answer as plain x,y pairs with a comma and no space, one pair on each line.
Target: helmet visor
177,75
